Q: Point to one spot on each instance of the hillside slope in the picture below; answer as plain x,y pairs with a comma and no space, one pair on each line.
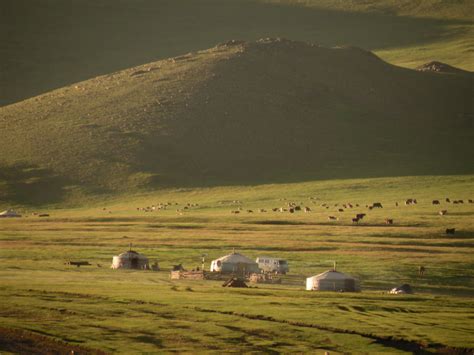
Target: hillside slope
266,111
47,44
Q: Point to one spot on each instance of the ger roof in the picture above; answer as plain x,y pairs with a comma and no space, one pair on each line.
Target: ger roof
235,258
131,254
332,275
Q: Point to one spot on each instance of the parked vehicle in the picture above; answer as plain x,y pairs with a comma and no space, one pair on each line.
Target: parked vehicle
273,265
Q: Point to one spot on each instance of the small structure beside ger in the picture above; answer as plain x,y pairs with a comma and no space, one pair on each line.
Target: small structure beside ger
130,260
234,263
332,280
9,214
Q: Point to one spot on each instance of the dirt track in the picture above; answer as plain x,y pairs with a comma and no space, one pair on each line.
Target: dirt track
24,342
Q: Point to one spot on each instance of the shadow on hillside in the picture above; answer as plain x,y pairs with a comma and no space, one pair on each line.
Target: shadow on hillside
22,184
60,43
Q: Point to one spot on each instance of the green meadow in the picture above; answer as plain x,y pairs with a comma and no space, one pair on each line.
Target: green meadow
226,112
127,311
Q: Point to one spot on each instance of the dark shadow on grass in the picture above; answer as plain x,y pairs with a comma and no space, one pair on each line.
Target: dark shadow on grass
25,184
148,339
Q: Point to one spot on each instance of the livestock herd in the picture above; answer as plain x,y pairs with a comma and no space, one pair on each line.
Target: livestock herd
166,205
293,207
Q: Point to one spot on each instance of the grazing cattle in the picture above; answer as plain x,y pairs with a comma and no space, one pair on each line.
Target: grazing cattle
443,212
470,201
235,212
332,218
292,210
297,208
275,209
377,205
341,210
355,220
357,205
396,204
360,215
261,210
410,201
435,202
370,207
448,200
455,202
389,221
307,209
78,263
450,230
421,271
249,211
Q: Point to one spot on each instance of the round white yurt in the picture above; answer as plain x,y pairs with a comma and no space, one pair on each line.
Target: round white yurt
332,280
234,263
130,260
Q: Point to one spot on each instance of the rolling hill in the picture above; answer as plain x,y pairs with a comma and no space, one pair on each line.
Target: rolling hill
47,44
241,112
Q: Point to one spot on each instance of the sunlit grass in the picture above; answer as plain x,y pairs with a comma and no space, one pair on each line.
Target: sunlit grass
133,311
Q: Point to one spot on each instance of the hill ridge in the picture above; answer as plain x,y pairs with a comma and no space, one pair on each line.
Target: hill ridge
240,112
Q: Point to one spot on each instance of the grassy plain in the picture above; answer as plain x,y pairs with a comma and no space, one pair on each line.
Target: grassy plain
138,311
